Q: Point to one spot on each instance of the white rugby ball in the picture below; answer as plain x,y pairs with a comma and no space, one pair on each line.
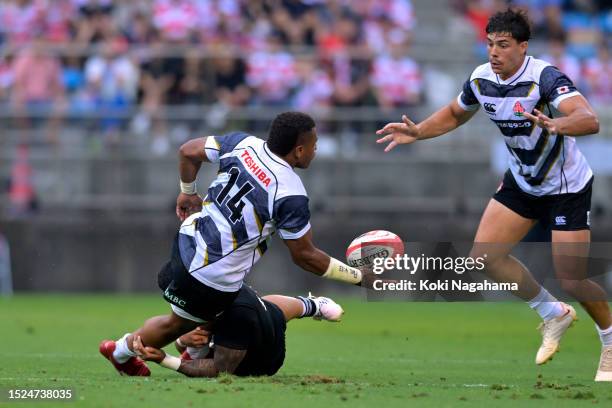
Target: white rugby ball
374,244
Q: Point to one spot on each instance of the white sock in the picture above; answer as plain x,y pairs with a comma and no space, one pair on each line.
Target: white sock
122,353
605,335
547,306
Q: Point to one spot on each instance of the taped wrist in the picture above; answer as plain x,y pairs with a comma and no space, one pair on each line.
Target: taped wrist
341,272
171,362
188,188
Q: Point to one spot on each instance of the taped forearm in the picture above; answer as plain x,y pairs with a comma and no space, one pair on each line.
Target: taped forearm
341,272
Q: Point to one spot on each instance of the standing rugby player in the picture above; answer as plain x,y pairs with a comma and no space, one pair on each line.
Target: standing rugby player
549,179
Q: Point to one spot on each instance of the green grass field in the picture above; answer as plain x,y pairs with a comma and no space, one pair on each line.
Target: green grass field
381,355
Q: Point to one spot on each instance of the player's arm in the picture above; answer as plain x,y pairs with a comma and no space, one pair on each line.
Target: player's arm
579,118
557,89
195,338
308,257
191,156
293,223
443,121
226,360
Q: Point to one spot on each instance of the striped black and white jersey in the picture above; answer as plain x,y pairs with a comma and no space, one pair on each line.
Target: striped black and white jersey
255,194
541,163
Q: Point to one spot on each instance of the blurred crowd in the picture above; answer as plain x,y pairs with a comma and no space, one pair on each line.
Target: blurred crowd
109,57
105,55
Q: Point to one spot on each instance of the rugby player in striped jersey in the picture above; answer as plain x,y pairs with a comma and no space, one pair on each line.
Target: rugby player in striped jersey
256,194
549,180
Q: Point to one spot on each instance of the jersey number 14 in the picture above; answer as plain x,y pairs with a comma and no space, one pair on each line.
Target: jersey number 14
235,203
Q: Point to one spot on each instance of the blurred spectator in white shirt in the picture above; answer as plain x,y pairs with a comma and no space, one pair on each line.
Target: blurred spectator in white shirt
381,33
38,90
396,79
22,20
59,17
177,20
113,78
271,73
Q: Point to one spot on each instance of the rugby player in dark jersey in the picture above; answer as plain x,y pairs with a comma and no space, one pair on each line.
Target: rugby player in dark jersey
249,339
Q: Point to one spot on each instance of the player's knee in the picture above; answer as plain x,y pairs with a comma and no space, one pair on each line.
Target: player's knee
490,261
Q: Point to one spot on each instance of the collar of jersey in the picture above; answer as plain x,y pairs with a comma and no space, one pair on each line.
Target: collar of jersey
516,75
276,157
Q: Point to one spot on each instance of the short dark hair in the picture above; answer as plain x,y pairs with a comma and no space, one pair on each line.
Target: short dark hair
286,129
510,21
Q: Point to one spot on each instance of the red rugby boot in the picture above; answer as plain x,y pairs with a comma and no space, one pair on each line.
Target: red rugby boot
134,367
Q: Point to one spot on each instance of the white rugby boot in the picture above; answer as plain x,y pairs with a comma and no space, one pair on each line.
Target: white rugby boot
604,371
552,330
327,309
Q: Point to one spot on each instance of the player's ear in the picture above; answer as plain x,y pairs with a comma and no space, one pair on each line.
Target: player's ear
299,151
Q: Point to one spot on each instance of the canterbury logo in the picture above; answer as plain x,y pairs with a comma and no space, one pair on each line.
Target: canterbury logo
560,220
489,107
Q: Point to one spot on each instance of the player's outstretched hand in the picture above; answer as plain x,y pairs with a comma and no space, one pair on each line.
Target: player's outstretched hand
404,132
187,204
195,338
147,353
542,121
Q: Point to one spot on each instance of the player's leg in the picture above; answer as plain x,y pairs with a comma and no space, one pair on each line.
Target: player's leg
499,231
292,308
192,303
298,307
569,217
157,331
570,257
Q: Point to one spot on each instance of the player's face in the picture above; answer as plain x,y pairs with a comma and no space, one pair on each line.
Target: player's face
307,150
506,54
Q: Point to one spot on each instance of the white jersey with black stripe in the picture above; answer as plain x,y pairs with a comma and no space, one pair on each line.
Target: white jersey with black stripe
255,194
541,163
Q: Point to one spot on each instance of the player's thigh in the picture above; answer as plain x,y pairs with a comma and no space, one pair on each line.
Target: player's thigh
500,229
499,224
570,252
571,236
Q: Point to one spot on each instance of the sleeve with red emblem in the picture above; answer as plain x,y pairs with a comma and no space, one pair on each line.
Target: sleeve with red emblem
555,86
